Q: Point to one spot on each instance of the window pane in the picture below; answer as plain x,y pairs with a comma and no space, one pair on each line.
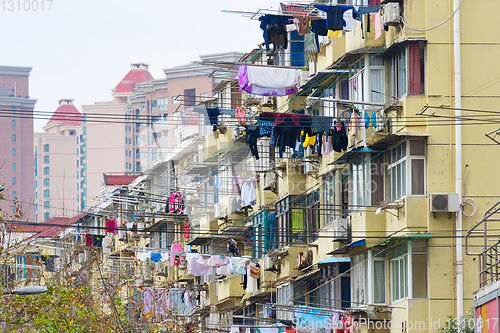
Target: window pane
378,86
404,277
417,176
398,152
379,281
398,177
403,178
419,271
417,147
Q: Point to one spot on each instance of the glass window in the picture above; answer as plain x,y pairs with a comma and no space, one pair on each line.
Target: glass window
14,180
13,138
84,130
46,194
14,166
203,96
399,272
46,148
46,182
377,80
46,171
398,73
13,123
379,281
419,268
176,100
14,151
46,204
14,196
46,159
358,278
403,162
46,216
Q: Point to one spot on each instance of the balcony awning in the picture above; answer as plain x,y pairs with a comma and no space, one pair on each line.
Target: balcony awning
351,153
334,260
343,249
321,78
302,277
352,56
402,238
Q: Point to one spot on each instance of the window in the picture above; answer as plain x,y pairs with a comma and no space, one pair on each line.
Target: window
84,180
289,222
71,132
312,217
377,80
84,130
176,99
366,181
84,204
36,184
13,123
46,216
46,159
14,180
416,61
84,143
142,106
359,279
84,156
203,96
46,194
406,166
14,166
13,138
14,151
46,148
399,272
14,196
189,97
46,182
264,233
397,72
46,171
379,273
84,167
46,204
162,103
284,297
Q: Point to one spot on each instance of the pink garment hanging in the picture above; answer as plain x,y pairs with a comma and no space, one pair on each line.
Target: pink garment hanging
111,224
378,25
176,247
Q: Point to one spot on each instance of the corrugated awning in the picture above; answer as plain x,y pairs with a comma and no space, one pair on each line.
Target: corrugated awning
301,277
321,78
334,260
351,153
400,239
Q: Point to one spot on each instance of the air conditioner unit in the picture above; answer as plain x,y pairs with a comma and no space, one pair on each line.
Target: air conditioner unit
269,262
220,210
340,230
444,202
391,14
309,168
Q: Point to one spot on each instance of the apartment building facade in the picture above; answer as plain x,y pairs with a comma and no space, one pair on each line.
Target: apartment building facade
16,134
56,165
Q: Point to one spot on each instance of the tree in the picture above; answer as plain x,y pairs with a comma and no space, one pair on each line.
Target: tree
464,324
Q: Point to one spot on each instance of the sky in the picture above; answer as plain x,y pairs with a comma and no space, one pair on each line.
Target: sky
82,49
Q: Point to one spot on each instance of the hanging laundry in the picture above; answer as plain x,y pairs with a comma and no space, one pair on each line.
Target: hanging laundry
217,260
235,329
359,11
378,25
232,247
155,257
240,265
335,34
198,266
253,133
367,120
187,230
267,330
229,112
211,116
176,247
374,120
349,21
286,135
88,240
272,77
143,256
319,28
236,205
252,88
241,115
334,15
111,224
248,195
274,29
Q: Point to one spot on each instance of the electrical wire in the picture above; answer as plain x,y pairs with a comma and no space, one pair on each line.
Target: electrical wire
467,201
436,26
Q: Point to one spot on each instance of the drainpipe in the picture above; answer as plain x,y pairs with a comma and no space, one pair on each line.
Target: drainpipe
458,158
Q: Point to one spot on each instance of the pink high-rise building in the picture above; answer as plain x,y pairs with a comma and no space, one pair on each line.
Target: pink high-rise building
56,164
16,138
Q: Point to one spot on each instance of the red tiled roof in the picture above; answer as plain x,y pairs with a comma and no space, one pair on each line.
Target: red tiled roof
298,9
68,114
127,84
119,179
48,231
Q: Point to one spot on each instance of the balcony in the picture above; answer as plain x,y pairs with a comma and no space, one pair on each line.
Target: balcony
229,288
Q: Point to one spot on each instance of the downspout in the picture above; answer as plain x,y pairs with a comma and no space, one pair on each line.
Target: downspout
458,158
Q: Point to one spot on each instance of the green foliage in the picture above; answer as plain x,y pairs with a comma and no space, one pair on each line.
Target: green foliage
464,324
61,309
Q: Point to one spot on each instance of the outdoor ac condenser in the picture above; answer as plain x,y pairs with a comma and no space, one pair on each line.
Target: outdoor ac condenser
444,202
391,14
